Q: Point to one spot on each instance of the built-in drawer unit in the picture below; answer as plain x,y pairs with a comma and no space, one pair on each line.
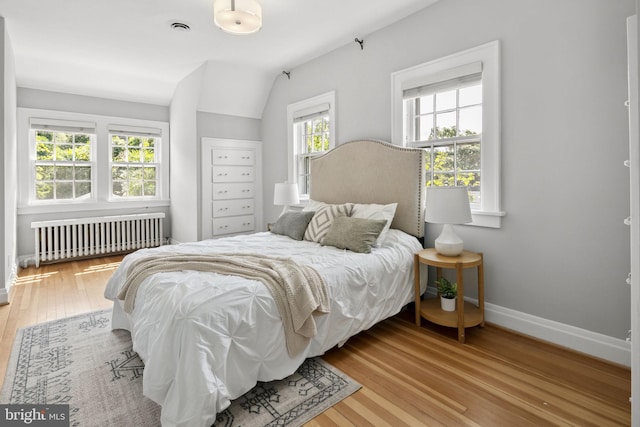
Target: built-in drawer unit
231,172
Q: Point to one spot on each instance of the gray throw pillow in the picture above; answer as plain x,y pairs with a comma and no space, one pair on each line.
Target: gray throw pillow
355,234
292,224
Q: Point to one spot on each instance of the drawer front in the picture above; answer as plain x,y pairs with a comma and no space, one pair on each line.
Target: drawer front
224,208
233,174
226,156
236,224
226,191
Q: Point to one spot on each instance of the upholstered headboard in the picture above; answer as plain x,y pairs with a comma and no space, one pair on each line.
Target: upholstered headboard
374,172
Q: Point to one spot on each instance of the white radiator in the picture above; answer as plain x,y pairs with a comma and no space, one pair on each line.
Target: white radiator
58,240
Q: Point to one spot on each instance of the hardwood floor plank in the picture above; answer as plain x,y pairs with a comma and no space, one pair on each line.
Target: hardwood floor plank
410,375
403,417
363,406
333,417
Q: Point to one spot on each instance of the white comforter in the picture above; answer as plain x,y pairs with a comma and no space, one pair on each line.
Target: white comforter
206,339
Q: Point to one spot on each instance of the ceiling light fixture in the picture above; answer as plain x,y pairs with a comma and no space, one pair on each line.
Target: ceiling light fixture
237,16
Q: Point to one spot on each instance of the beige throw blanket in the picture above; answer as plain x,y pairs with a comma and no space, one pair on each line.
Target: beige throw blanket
298,290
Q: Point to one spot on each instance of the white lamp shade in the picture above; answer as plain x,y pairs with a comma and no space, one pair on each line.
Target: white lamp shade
447,205
237,16
286,193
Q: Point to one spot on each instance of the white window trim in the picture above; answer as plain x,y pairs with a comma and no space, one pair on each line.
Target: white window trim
490,213
305,107
101,157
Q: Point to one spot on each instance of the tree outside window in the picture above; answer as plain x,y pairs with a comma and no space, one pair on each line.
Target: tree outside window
134,166
63,168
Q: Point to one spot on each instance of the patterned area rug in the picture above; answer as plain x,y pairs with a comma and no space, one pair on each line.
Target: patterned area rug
79,361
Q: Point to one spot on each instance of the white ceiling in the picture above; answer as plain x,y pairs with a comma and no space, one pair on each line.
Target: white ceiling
125,49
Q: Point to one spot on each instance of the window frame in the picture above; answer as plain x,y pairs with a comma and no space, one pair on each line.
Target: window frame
101,158
489,213
412,119
307,107
60,126
128,131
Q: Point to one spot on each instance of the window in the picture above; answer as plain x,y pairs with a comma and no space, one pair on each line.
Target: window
134,165
62,167
312,132
74,162
446,119
450,106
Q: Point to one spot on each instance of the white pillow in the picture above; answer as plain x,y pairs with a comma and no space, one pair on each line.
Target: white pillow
374,211
314,205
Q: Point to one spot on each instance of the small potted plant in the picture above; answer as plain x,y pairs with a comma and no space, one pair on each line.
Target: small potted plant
448,292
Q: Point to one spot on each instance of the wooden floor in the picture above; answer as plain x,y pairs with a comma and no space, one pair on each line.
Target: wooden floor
410,376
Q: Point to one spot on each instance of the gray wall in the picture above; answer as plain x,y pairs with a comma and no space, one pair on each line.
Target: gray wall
32,98
8,166
57,101
188,127
184,174
563,252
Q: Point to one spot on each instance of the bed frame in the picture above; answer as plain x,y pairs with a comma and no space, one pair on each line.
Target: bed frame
368,171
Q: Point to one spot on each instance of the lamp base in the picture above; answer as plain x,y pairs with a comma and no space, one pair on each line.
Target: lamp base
449,243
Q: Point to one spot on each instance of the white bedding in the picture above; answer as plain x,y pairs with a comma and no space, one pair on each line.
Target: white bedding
207,339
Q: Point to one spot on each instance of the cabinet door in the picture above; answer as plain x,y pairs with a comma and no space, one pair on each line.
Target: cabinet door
634,175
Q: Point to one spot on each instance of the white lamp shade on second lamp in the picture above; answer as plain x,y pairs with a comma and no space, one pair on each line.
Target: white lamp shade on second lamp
286,194
448,205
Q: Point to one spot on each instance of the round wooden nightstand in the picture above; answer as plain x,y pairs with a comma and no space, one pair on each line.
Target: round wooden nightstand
466,314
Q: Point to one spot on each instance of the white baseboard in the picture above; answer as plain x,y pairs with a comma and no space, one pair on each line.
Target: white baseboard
615,350
592,343
4,292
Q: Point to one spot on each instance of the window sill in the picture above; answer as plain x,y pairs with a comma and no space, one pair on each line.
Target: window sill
487,219
91,206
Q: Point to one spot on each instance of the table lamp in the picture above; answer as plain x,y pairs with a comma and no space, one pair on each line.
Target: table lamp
286,193
448,205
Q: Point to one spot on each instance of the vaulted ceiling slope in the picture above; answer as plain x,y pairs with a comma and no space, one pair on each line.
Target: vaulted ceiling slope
126,50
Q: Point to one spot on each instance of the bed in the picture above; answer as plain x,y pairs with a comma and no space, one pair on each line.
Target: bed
206,337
